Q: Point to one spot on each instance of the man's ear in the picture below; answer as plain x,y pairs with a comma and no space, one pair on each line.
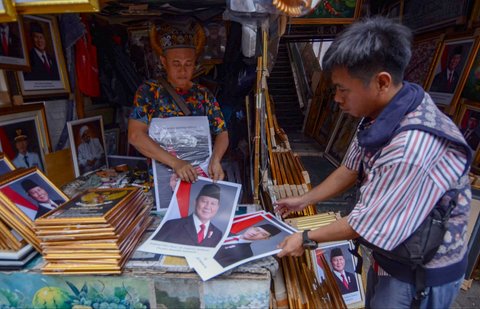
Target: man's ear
384,81
163,60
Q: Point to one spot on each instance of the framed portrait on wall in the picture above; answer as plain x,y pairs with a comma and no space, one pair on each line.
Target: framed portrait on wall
13,47
332,12
23,137
87,144
468,120
112,137
471,90
48,74
216,35
424,53
342,264
448,76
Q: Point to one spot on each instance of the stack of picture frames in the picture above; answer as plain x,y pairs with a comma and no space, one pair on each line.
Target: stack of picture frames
25,194
322,269
95,232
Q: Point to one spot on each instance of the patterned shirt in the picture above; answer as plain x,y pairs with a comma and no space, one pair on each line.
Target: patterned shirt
152,101
415,169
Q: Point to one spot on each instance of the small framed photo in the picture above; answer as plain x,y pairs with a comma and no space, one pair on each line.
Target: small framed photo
449,74
13,47
48,74
87,144
23,137
112,137
342,264
471,90
5,165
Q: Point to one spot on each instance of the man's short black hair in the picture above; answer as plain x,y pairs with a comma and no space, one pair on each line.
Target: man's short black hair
35,27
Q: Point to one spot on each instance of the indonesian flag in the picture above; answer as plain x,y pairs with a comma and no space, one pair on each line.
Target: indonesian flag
180,202
27,207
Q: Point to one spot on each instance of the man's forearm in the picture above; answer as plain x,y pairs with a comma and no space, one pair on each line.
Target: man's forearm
338,230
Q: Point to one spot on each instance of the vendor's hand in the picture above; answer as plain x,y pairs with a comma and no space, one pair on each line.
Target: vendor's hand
185,171
287,205
292,245
215,171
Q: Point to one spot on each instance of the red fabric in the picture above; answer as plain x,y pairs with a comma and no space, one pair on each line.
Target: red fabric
239,226
86,65
7,145
183,198
4,44
17,198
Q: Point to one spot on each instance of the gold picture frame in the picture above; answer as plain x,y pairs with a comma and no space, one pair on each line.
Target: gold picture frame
331,12
55,6
7,11
31,121
42,79
464,47
470,110
5,164
15,57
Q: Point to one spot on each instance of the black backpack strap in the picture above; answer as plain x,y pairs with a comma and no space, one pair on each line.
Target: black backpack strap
420,293
179,101
355,252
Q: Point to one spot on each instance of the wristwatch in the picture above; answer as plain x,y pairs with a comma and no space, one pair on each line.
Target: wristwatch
307,242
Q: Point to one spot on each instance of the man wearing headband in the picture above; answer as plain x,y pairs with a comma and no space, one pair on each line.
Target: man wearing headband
196,229
239,248
345,280
178,50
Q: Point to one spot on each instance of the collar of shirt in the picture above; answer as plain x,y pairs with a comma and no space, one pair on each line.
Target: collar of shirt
339,274
40,54
49,205
197,222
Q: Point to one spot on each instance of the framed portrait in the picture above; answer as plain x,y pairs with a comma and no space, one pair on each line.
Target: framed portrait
216,34
426,15
424,53
7,11
23,137
56,6
341,138
13,47
468,120
5,164
342,264
332,12
112,137
194,204
145,60
26,195
471,90
87,144
48,73
448,77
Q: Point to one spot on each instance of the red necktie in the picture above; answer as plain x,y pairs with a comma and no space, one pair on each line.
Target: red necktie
200,233
45,62
345,283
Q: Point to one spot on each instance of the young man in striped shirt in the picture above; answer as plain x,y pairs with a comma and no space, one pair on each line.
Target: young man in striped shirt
408,157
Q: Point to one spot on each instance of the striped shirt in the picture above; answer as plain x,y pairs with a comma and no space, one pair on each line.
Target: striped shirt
402,184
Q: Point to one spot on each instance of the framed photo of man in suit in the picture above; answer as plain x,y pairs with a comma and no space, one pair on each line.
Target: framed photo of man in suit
197,220
47,74
468,121
342,265
13,47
